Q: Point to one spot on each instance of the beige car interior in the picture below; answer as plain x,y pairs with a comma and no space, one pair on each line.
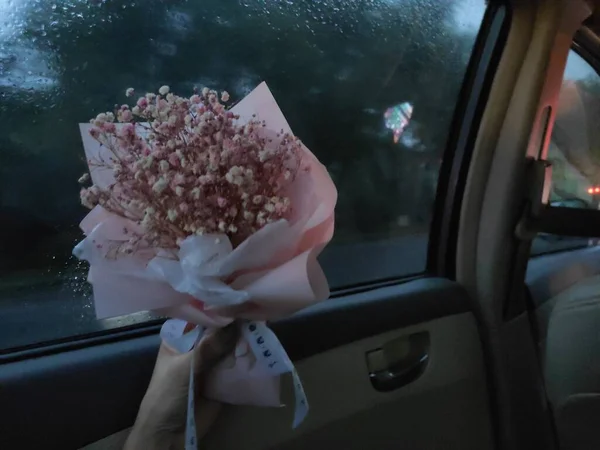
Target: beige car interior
342,399
450,398
527,86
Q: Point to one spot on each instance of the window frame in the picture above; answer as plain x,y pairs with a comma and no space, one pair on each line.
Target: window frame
441,248
452,181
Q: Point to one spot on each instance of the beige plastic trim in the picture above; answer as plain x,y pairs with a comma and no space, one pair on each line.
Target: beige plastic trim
338,388
527,81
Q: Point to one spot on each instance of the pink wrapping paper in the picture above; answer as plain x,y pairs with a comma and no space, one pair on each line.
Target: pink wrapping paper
273,274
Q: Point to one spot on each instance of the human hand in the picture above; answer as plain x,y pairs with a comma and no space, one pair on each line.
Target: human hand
161,419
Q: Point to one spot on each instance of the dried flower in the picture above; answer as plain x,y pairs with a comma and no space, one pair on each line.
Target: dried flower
185,166
172,215
160,185
129,92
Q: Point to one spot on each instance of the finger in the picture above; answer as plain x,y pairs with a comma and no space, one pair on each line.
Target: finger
214,347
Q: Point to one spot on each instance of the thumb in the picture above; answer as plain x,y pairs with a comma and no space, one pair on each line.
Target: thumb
213,347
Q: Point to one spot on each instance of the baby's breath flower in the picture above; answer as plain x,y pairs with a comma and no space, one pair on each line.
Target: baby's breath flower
147,221
142,102
234,176
125,116
164,166
179,178
263,155
205,172
160,185
172,215
147,162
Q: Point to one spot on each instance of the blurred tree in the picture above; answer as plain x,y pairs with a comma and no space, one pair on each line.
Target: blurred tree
334,66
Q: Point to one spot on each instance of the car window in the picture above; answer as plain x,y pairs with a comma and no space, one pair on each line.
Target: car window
576,138
369,86
574,150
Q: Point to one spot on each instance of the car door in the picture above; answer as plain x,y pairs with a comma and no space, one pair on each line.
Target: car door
398,357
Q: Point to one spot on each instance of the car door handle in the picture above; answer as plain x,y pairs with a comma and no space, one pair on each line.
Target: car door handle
398,362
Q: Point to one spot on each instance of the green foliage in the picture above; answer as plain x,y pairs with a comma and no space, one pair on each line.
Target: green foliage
334,66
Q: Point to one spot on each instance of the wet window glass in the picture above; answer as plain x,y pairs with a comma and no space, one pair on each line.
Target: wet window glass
369,85
574,150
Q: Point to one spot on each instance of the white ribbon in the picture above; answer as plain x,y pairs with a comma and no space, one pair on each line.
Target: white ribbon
191,441
267,349
172,332
275,361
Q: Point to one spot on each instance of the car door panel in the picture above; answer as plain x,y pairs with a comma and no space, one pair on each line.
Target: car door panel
449,397
99,387
70,398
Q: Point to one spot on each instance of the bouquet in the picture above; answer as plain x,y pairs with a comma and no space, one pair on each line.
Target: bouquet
209,215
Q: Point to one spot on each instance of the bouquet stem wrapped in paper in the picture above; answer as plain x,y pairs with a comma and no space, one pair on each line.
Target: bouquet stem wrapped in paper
208,215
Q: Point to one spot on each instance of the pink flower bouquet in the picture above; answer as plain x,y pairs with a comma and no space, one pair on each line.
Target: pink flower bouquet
208,215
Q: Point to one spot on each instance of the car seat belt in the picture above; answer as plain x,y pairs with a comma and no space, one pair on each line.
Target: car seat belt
519,301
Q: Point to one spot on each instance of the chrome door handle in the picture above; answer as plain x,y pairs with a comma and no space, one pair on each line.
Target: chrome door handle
403,360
